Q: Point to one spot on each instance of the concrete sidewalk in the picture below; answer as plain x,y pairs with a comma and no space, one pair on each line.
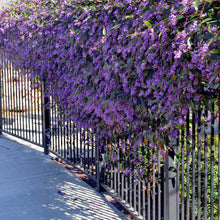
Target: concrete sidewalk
32,186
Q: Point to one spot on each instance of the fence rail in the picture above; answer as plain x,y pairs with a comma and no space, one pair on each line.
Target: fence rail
182,185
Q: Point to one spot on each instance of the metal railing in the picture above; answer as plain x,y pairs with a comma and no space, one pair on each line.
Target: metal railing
21,104
183,184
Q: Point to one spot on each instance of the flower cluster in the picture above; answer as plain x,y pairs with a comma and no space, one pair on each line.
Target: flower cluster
130,69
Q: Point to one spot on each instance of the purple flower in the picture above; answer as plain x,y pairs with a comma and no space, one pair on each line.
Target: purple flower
177,54
173,20
142,159
148,164
114,157
204,49
185,2
180,121
162,152
155,159
154,146
196,98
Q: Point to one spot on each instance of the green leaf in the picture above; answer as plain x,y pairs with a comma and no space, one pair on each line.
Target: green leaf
210,28
151,87
215,57
180,8
148,24
178,126
213,77
178,100
179,17
115,26
189,42
215,51
130,62
42,23
192,106
176,159
206,104
206,19
214,100
72,31
105,104
112,95
195,5
26,14
127,17
154,101
208,36
215,86
104,31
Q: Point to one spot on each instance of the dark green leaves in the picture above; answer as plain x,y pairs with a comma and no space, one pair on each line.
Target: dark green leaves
215,54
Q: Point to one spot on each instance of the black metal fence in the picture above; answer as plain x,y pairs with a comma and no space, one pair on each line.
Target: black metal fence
21,104
182,184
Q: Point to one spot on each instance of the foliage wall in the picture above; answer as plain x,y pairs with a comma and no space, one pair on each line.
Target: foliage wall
128,68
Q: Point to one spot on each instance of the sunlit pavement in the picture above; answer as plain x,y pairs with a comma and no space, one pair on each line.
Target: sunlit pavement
32,186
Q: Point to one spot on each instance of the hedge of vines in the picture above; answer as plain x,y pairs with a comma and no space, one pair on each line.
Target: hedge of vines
127,68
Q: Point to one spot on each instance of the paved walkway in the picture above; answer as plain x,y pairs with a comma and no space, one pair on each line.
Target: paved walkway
32,186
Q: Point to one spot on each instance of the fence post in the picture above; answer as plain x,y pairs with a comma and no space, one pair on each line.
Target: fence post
98,169
171,203
99,165
45,120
